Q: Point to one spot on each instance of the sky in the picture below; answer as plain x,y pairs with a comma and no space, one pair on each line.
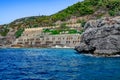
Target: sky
15,9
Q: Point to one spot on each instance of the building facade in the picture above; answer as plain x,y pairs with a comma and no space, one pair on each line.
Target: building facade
35,38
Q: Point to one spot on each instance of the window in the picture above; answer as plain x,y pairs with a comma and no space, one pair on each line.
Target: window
27,39
47,39
53,38
37,43
49,42
57,42
32,39
78,37
67,42
19,43
59,38
38,39
26,43
20,39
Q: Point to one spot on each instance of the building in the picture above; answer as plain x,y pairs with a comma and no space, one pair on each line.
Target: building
35,38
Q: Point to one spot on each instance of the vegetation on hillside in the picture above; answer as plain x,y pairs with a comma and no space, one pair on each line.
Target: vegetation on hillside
63,29
86,7
4,30
19,32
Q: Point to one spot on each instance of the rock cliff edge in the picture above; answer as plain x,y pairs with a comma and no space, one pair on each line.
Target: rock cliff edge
101,37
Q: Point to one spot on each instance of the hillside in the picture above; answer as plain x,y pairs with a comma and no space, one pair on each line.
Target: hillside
87,9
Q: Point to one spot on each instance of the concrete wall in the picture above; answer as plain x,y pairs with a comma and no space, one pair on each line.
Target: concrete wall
69,40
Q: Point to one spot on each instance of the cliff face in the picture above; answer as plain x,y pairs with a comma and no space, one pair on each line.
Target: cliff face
101,37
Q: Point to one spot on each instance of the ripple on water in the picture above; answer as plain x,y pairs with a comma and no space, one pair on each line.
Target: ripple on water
55,64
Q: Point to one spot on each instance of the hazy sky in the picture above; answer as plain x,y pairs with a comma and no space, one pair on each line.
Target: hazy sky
14,9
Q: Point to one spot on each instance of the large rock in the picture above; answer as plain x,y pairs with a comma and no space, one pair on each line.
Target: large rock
101,37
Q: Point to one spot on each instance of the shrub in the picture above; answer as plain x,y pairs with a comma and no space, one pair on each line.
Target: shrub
112,13
72,31
81,31
83,22
46,30
55,32
19,32
63,26
4,32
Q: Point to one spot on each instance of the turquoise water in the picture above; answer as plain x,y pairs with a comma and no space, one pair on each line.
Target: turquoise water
55,64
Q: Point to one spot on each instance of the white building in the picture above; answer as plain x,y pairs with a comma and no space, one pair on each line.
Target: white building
35,38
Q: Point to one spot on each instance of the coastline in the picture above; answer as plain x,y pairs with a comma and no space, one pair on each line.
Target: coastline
33,48
86,54
100,55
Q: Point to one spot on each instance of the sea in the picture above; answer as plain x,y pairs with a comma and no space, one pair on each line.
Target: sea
56,64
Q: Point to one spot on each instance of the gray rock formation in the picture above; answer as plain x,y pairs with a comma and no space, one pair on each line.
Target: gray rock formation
101,37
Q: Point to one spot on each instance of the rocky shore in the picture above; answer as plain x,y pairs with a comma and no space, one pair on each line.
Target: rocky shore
101,37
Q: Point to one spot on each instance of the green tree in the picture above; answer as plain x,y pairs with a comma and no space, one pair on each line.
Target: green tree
19,32
63,26
83,22
4,32
112,13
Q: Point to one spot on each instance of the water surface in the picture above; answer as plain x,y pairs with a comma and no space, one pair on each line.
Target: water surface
55,64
